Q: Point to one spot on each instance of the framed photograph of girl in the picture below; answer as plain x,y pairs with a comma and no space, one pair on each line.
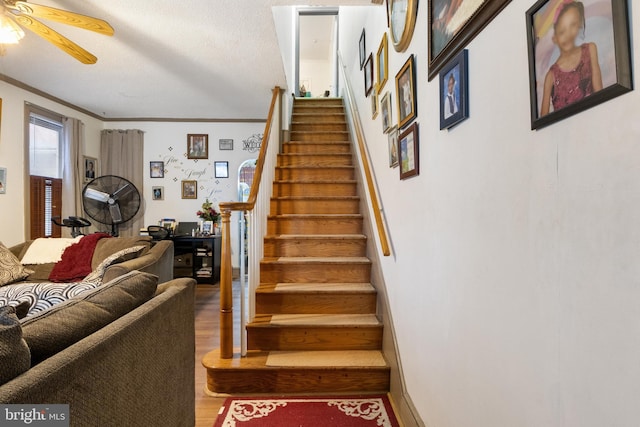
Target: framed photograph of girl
579,56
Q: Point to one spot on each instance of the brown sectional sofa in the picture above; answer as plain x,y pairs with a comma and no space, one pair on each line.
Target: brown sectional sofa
137,370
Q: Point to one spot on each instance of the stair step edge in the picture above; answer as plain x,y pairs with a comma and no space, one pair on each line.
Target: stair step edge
316,288
315,320
326,358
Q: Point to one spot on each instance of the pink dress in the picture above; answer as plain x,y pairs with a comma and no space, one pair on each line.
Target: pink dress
572,86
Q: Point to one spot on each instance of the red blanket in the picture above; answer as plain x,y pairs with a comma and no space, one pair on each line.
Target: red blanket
75,262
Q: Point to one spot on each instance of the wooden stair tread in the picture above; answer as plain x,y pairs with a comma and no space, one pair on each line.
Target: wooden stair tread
314,216
317,236
326,198
326,358
314,320
258,359
317,288
315,260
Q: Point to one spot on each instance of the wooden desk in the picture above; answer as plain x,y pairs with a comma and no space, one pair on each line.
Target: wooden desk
204,252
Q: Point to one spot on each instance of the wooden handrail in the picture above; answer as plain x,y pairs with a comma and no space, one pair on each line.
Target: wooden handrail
375,205
226,289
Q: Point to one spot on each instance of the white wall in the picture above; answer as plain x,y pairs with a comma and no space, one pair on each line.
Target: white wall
513,281
12,152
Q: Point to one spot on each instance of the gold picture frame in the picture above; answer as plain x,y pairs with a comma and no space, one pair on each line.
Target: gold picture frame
189,189
382,61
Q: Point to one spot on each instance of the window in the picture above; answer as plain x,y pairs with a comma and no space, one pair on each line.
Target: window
45,169
45,146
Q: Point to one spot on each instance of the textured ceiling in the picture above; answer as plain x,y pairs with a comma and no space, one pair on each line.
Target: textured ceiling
207,59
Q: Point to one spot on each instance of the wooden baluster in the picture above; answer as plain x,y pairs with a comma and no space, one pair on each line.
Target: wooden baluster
226,289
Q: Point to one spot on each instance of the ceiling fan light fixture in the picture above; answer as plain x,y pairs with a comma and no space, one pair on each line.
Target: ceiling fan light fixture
10,32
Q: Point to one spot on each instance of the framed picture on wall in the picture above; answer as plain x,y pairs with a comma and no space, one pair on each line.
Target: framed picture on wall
189,189
157,193
385,107
362,50
221,169
374,102
382,59
452,24
3,180
197,146
225,144
454,91
406,93
90,168
368,75
156,169
571,74
393,147
408,152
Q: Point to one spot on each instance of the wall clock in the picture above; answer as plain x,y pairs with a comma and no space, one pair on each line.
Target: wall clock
402,20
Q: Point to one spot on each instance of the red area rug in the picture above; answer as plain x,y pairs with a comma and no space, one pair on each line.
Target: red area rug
338,411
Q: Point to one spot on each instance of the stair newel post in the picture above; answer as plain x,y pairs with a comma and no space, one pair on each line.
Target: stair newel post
226,289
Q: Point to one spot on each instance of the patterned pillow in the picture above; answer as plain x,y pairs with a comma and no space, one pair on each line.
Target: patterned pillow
15,357
120,256
11,270
41,296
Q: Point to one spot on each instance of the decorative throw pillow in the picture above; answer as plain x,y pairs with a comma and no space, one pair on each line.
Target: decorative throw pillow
14,352
11,270
45,250
120,256
64,324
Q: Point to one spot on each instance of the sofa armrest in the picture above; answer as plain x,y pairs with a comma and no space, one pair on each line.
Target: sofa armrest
138,370
158,260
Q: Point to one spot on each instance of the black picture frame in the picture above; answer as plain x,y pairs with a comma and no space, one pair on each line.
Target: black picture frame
368,75
408,152
444,44
156,169
362,49
454,78
406,93
616,75
221,169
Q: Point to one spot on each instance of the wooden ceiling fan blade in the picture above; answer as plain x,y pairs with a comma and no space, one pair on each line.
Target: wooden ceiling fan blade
57,39
64,17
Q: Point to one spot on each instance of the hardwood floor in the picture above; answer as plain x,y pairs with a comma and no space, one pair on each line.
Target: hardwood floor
208,338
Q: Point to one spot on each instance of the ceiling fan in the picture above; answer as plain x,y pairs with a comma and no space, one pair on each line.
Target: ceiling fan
14,12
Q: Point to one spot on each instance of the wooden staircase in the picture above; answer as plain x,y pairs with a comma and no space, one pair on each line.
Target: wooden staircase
315,328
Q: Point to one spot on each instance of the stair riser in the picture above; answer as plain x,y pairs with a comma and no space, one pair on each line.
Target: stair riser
311,189
318,127
298,380
315,206
319,117
311,174
314,338
319,136
316,148
315,273
323,102
314,160
314,226
314,248
315,303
